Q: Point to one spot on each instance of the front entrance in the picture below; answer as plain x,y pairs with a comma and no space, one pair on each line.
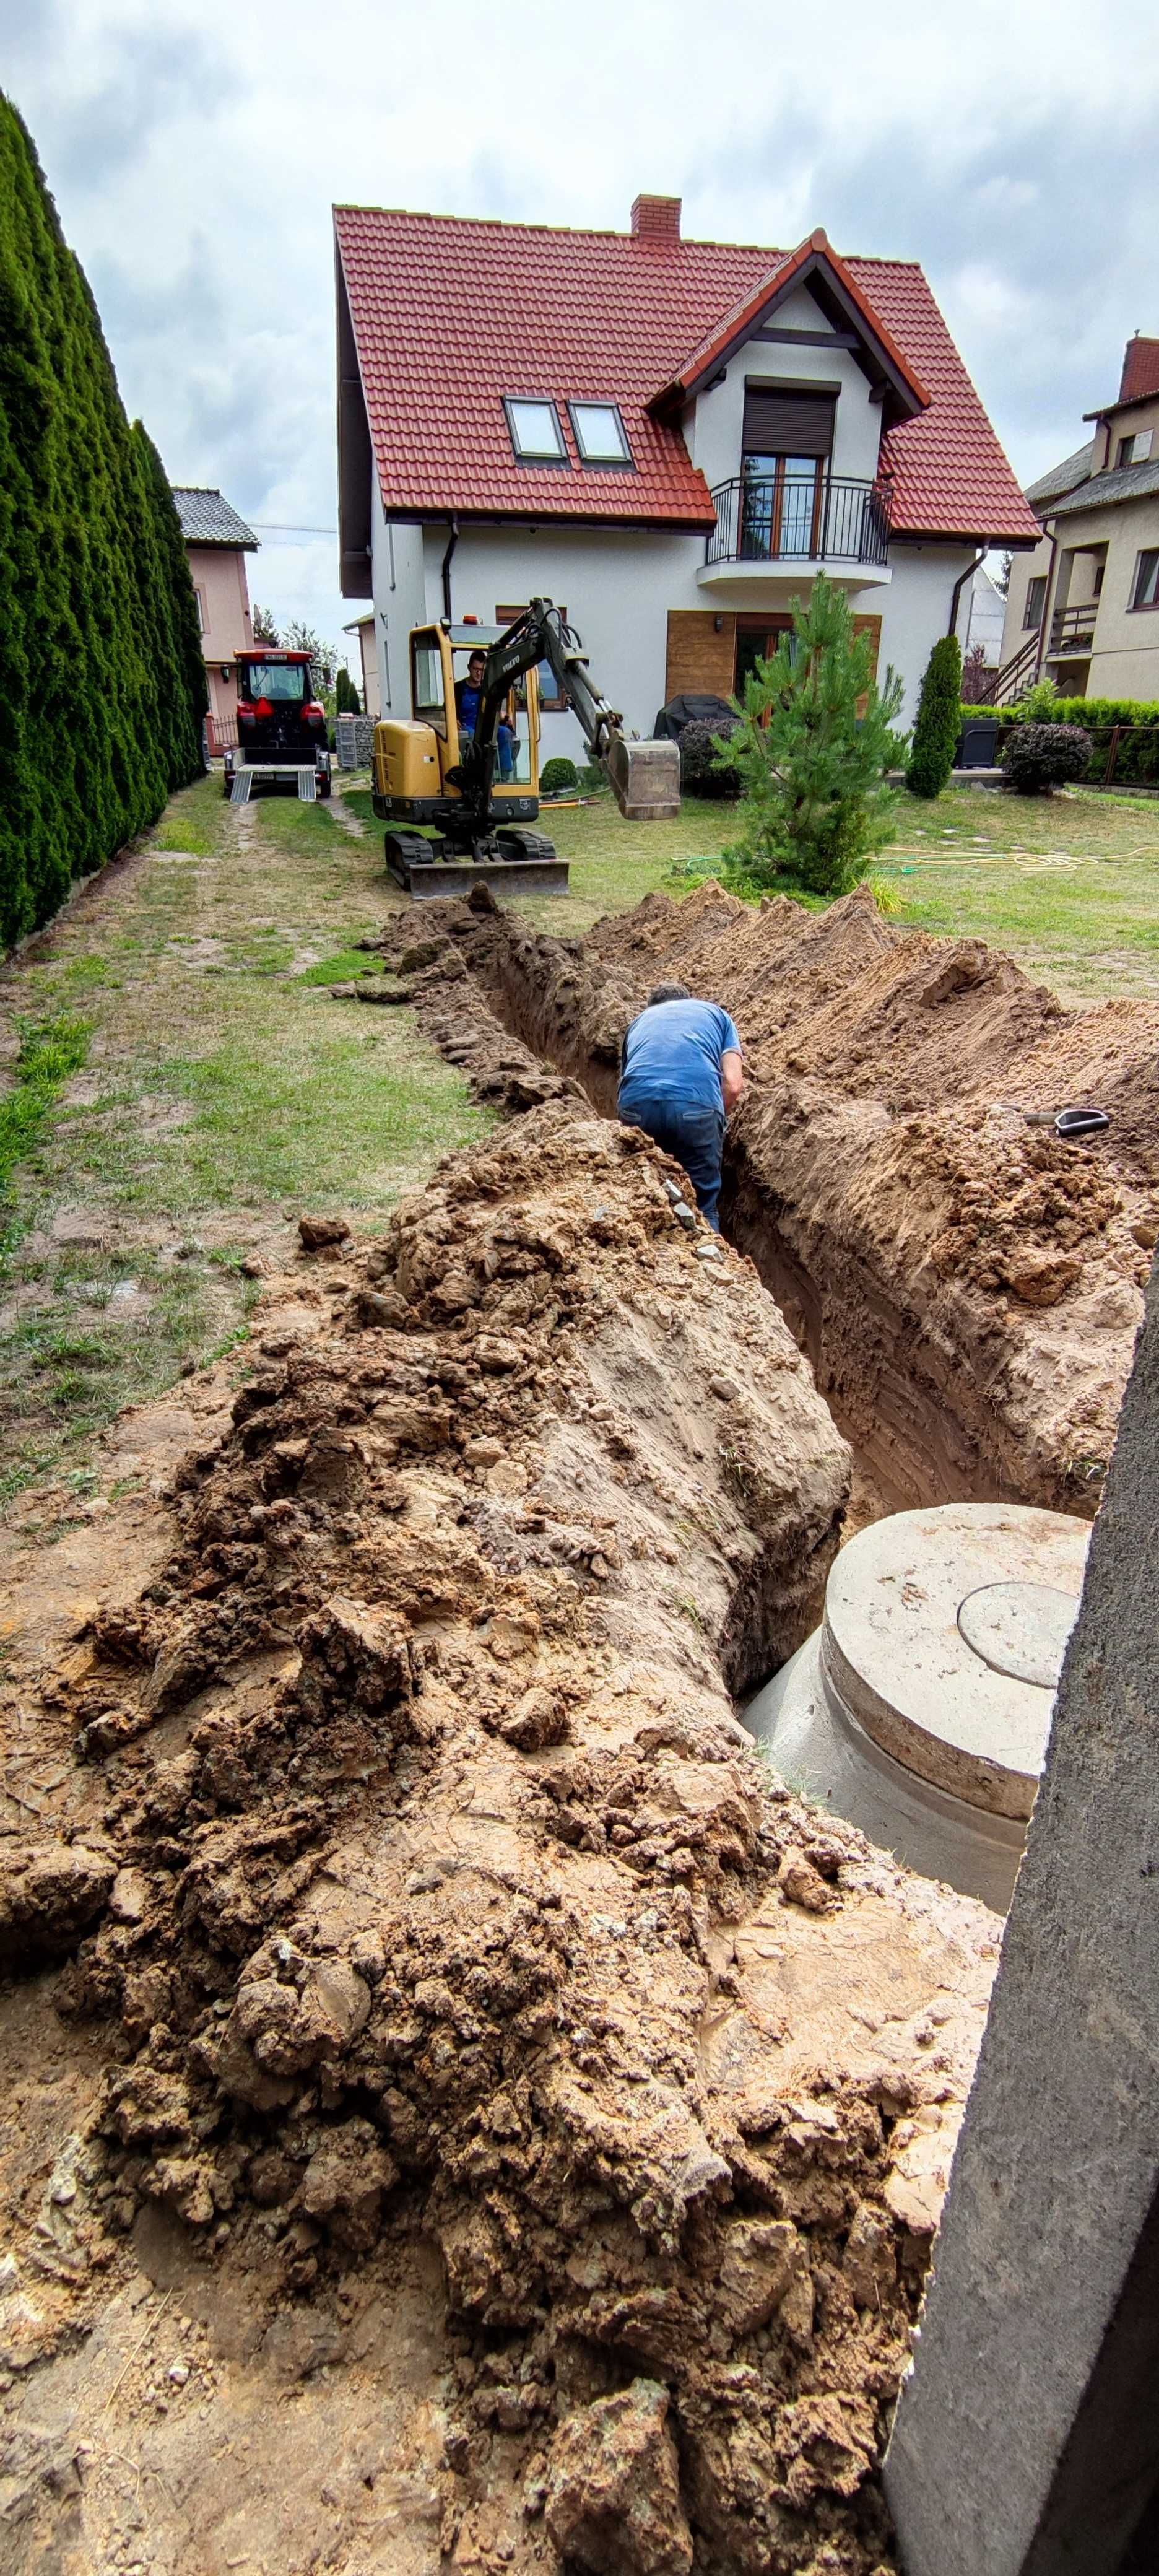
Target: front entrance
756,639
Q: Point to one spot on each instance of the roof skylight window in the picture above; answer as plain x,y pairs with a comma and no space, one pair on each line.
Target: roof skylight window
600,434
536,432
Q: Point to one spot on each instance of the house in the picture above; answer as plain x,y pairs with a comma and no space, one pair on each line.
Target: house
1082,608
217,543
363,628
669,438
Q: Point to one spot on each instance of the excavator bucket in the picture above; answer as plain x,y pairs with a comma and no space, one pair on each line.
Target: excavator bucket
645,780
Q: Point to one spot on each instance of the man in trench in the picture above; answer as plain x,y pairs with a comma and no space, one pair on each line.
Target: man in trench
680,1076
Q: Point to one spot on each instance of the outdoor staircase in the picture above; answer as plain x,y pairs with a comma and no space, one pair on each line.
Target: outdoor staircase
1000,688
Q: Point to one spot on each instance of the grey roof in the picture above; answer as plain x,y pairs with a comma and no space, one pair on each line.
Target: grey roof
207,520
1062,478
1121,483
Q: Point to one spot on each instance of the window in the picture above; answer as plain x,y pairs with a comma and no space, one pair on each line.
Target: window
550,701
427,690
600,434
1134,450
1146,591
536,434
199,596
285,683
1035,602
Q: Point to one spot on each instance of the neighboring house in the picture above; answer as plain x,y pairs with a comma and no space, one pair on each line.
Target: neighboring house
1082,609
217,543
985,619
668,438
363,628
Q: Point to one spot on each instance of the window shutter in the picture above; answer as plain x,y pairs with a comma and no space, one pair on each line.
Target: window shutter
782,424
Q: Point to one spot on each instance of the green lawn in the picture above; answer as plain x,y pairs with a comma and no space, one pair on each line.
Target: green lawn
1067,884
188,1087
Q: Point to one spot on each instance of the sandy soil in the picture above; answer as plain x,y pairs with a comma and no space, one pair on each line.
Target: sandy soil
461,2107
967,1287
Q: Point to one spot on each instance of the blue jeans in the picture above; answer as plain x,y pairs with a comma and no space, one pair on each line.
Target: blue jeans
505,746
693,1134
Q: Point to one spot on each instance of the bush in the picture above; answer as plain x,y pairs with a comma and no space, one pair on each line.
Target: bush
1042,756
102,682
811,748
346,699
704,770
1039,703
939,720
558,776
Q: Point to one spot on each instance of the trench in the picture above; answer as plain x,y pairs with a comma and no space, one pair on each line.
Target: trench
895,1403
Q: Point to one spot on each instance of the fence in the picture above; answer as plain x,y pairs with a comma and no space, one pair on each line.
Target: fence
220,734
355,739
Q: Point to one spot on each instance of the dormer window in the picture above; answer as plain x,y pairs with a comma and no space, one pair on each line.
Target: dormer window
600,435
1134,450
536,431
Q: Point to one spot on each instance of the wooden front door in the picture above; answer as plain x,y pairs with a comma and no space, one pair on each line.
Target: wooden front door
756,639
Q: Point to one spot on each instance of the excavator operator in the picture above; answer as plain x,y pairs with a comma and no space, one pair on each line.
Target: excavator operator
680,1076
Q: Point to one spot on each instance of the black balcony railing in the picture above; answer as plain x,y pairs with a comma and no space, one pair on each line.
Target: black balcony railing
798,519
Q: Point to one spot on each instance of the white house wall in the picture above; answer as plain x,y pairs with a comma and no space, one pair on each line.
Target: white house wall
398,590
915,610
617,585
713,425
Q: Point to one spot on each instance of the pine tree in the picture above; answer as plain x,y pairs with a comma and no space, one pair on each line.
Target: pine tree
99,701
812,747
939,720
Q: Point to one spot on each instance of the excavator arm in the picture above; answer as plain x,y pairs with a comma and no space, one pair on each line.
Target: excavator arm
644,776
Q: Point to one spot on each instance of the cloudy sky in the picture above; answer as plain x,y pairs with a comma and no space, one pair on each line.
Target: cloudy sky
194,156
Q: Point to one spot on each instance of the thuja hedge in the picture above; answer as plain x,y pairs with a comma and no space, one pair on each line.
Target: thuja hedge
102,683
1137,758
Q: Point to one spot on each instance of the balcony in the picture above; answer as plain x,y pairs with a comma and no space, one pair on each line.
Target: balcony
785,523
1072,632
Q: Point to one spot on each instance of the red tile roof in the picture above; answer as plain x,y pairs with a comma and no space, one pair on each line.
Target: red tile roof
777,280
450,314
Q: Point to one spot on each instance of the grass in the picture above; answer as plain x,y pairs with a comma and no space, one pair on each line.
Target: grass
184,1083
211,1090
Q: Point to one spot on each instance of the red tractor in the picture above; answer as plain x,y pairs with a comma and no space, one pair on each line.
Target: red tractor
281,727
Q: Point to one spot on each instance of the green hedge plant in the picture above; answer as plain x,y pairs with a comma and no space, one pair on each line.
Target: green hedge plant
102,682
558,776
939,720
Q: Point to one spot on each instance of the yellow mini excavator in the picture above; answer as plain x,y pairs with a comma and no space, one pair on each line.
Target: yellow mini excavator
436,770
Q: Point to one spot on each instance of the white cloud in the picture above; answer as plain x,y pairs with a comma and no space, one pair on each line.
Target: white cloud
194,163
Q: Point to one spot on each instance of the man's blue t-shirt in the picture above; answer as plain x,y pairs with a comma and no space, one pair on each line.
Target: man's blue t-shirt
673,1051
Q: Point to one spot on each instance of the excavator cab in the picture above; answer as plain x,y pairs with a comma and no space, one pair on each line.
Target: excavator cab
418,778
457,784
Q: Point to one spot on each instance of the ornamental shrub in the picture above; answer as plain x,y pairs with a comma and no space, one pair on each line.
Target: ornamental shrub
939,720
705,769
1041,756
811,747
346,698
558,776
102,683
1039,703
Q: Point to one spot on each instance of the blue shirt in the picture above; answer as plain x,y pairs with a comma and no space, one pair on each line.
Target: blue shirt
672,1052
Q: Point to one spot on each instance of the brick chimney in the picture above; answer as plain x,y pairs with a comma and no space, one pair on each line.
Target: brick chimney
656,218
1140,362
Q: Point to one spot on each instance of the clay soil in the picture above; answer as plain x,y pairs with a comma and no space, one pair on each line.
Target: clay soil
463,2109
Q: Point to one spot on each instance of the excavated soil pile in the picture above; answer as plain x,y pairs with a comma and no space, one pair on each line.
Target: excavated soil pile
968,1287
409,1883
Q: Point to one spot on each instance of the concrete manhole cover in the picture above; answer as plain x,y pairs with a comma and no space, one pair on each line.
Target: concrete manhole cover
1020,1629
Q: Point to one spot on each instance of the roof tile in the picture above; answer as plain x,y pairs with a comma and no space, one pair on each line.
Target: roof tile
450,314
207,520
